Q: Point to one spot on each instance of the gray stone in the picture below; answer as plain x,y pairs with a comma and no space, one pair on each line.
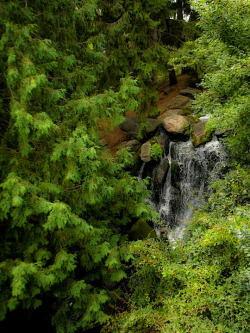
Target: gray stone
190,92
145,152
132,126
161,172
152,125
199,134
221,133
179,102
176,124
163,140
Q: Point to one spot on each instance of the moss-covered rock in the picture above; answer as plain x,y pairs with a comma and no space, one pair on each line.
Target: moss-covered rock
141,230
199,134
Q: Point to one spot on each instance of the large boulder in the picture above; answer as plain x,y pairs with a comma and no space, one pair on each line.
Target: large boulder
163,140
176,124
190,92
179,102
145,152
199,134
132,126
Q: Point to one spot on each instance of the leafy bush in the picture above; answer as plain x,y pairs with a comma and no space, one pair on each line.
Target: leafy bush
156,151
202,284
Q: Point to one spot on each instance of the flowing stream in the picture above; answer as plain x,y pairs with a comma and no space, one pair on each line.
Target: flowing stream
188,174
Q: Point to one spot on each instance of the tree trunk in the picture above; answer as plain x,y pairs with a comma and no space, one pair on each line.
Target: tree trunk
172,78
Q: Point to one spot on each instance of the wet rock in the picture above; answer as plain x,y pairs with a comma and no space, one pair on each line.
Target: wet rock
190,92
145,152
175,173
141,230
160,172
176,124
158,178
199,134
163,140
179,102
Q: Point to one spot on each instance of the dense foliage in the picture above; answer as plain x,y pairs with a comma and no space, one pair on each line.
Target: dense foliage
201,285
221,57
65,202
67,67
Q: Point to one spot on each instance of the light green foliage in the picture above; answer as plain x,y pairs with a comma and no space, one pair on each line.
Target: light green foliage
221,57
156,151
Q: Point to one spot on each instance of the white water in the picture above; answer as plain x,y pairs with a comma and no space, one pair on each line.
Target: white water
141,171
190,170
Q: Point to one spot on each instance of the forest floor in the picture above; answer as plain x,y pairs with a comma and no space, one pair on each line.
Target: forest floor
117,136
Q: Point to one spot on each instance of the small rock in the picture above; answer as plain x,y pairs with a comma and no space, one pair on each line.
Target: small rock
190,92
179,102
176,124
221,133
145,152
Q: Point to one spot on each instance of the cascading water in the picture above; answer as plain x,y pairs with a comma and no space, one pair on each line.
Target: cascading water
189,172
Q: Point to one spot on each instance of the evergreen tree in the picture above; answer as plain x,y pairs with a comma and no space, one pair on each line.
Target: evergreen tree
65,202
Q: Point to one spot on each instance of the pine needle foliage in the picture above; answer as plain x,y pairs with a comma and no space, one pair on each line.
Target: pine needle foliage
64,200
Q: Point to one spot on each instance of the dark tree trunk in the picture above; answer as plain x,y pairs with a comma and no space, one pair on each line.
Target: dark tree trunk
172,78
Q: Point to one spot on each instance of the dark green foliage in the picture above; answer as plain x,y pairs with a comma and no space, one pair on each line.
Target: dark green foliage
65,202
66,205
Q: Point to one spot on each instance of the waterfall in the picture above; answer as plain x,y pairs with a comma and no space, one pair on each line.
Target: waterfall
141,171
189,172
